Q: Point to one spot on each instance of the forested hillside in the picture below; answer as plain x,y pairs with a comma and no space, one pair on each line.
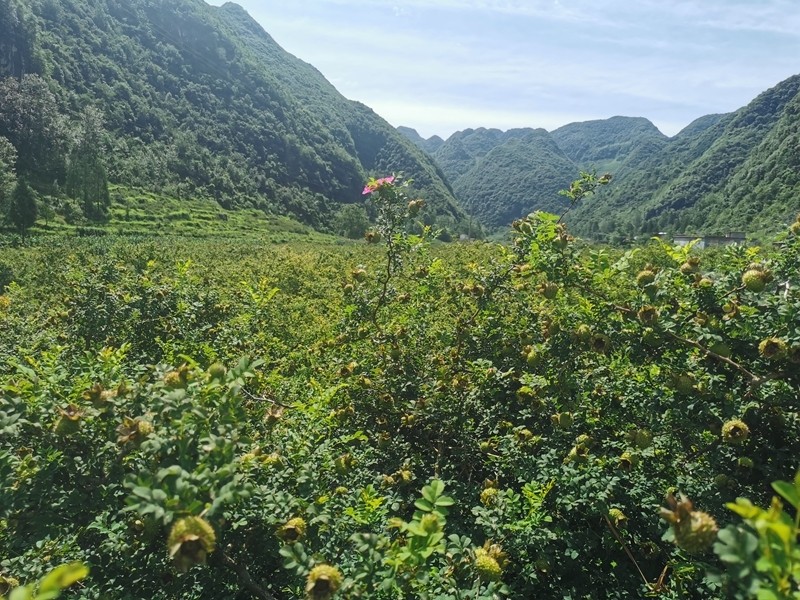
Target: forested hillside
188,99
738,171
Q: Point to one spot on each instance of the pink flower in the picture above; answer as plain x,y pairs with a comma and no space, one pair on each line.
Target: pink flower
374,184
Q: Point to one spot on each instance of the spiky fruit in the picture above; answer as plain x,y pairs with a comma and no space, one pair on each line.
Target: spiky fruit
217,371
694,530
322,583
414,207
645,277
7,584
549,290
583,333
772,348
735,432
617,517
343,463
430,523
359,274
688,268
648,315
683,383
628,460
372,237
293,530
795,228
489,496
577,454
486,566
744,462
600,342
190,541
69,420
723,482
754,280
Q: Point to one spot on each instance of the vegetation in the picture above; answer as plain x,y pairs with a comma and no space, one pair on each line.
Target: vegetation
186,100
722,173
400,419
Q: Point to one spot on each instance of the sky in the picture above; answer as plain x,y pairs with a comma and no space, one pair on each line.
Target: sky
442,66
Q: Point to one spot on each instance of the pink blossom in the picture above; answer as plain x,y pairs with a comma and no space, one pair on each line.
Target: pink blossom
374,184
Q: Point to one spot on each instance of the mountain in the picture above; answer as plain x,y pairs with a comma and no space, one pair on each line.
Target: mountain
200,100
739,171
606,144
428,145
723,172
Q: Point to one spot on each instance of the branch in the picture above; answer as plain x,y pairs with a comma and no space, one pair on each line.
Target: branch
244,578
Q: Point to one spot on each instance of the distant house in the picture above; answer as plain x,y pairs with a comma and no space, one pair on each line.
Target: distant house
707,241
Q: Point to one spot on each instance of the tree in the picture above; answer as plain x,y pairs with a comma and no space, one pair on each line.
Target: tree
30,119
8,177
351,221
22,212
87,181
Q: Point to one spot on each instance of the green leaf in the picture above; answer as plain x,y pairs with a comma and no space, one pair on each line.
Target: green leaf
423,505
788,491
62,577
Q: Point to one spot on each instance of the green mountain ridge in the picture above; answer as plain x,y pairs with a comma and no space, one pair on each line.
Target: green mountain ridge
722,172
200,100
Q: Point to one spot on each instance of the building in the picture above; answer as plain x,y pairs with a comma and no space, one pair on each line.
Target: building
707,241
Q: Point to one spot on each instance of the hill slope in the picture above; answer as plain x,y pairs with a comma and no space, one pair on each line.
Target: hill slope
201,100
725,172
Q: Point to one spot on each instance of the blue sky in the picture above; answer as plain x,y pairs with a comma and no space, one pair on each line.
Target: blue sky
445,65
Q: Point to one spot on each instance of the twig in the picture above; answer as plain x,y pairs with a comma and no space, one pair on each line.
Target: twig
265,399
245,580
630,556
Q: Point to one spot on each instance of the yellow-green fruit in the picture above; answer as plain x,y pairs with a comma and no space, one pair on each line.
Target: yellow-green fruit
190,541
773,348
293,530
143,427
688,268
7,584
628,460
617,517
173,380
645,277
549,290
359,274
217,371
430,523
754,280
583,333
487,566
532,358
684,383
648,315
795,228
697,533
489,496
372,237
343,463
744,462
323,582
735,432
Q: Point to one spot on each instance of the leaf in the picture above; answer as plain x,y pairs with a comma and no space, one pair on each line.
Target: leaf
62,577
433,491
788,491
423,505
445,501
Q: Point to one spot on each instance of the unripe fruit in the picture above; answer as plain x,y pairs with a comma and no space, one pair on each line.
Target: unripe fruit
293,530
563,420
617,517
735,432
486,566
645,277
694,530
359,274
217,371
373,237
772,348
323,582
754,280
489,496
648,315
549,290
190,541
794,228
